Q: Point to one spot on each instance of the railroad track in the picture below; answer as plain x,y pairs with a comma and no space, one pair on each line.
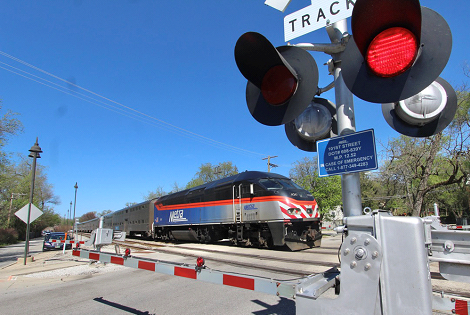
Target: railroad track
227,257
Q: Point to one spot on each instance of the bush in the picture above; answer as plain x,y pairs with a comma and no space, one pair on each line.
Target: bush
8,236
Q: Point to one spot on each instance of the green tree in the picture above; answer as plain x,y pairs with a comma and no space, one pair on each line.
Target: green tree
19,182
208,173
15,181
418,168
9,126
88,216
103,213
372,190
326,190
159,192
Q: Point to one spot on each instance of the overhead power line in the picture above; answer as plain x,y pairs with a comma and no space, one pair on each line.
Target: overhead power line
114,106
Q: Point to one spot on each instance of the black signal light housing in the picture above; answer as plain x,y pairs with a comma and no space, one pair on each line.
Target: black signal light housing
416,51
282,81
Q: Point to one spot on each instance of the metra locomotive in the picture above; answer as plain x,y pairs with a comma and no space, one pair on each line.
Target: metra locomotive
251,208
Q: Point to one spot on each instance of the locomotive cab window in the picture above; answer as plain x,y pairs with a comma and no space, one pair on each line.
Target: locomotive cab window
270,184
289,184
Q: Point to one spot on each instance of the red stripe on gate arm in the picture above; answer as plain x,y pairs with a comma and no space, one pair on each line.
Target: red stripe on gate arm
239,282
146,265
94,256
75,253
185,272
461,307
117,260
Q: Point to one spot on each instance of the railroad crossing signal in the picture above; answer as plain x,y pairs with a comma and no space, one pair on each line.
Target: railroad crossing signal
397,50
424,114
282,81
317,122
394,57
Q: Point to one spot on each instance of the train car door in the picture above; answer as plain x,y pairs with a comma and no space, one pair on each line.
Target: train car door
237,207
126,222
237,202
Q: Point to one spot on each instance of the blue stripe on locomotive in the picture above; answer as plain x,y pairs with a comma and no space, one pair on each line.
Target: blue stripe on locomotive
196,215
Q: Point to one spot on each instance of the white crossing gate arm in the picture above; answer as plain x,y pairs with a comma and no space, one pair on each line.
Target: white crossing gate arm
259,284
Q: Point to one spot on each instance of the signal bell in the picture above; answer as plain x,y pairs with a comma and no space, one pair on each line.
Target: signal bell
317,122
282,81
398,49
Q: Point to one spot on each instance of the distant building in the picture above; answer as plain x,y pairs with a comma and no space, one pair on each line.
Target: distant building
333,219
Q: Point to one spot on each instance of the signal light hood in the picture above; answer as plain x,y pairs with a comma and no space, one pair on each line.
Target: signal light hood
306,139
435,49
268,70
394,114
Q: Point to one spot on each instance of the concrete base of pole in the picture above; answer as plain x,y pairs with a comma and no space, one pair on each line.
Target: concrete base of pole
21,260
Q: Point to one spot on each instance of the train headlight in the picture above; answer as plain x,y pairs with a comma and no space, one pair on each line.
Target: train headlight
293,210
309,210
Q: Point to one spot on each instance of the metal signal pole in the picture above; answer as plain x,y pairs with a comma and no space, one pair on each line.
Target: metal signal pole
351,193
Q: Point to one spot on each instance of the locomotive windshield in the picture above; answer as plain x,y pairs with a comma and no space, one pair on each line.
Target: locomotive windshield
272,184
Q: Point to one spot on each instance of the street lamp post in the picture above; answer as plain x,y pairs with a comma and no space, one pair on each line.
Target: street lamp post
75,203
35,150
70,213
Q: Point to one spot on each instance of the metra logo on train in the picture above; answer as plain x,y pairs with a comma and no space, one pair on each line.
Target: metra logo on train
250,206
177,216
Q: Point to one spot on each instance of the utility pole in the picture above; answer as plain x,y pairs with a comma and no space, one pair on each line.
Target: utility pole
70,213
268,162
217,171
75,202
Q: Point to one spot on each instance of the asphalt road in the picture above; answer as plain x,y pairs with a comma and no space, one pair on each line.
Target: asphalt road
57,283
11,253
132,291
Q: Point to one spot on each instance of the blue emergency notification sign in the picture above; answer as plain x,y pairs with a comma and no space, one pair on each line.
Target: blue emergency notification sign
352,153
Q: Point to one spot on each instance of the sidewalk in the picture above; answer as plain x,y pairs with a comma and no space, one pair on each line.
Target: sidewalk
46,268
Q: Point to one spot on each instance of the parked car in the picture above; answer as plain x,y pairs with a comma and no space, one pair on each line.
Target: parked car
47,244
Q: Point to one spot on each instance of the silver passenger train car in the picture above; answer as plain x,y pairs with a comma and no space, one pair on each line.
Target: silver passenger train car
250,208
135,220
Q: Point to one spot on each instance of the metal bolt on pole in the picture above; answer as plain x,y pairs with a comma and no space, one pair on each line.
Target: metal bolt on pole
35,150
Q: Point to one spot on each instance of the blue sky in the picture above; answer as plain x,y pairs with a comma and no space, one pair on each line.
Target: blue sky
140,93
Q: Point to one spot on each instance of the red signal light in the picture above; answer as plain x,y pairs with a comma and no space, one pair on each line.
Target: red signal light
392,52
278,85
200,262
127,252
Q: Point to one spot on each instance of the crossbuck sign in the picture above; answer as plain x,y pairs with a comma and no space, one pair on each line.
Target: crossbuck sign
316,16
